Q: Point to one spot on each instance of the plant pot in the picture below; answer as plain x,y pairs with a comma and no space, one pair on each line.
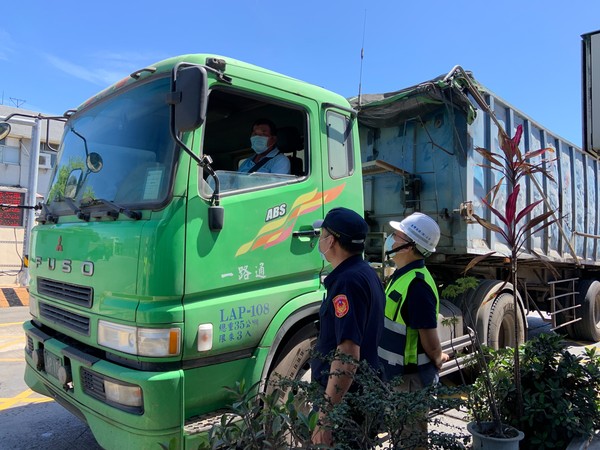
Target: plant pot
483,439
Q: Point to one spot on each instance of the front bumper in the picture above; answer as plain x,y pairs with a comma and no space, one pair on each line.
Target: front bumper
75,380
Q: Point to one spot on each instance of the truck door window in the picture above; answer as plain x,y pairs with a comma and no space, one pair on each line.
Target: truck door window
227,131
339,146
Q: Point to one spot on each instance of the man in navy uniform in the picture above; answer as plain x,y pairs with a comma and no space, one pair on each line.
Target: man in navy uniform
351,315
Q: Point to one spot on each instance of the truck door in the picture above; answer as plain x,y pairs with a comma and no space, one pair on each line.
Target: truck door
239,277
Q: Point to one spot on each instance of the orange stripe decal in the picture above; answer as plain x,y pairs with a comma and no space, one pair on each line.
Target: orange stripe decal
278,231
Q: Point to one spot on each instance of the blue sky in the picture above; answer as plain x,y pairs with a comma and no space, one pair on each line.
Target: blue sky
55,55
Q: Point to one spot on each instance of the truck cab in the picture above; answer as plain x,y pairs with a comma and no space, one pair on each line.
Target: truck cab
159,272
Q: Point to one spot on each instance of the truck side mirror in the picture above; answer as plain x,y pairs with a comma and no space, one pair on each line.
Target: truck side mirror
4,130
188,96
72,184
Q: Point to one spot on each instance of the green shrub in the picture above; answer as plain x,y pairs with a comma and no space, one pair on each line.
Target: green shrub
560,392
286,416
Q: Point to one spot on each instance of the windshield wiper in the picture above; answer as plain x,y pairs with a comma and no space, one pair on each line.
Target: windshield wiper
46,215
80,215
115,209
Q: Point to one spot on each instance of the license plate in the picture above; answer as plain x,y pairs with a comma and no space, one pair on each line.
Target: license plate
51,363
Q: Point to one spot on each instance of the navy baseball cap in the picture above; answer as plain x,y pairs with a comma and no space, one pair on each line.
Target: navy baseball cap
346,225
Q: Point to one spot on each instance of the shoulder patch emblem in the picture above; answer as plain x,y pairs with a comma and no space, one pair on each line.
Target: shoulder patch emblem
341,306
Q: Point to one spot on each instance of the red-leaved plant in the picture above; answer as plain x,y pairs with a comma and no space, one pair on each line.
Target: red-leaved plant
516,226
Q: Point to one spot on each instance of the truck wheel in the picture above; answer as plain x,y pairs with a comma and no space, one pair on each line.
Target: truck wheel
294,360
588,328
501,325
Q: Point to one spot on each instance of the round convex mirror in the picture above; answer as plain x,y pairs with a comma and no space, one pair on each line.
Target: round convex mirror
94,162
4,130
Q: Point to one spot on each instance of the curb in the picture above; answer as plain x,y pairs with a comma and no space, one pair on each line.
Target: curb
585,443
14,296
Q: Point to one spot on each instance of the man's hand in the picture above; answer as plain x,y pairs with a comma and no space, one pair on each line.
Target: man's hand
431,345
340,378
322,436
441,360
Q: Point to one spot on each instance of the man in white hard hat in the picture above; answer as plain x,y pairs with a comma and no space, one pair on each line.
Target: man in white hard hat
410,346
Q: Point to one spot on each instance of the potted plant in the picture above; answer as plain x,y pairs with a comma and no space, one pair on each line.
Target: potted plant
537,387
514,227
488,430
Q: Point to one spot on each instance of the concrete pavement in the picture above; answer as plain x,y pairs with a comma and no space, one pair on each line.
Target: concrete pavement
29,420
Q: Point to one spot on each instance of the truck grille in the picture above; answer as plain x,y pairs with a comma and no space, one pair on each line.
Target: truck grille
80,295
73,321
93,384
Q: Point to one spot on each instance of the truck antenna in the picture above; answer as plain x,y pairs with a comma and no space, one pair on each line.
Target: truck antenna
362,56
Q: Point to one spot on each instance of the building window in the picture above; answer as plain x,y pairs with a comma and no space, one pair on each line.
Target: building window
9,155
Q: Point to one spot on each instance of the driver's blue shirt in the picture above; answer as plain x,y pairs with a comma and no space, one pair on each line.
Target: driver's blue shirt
353,309
278,163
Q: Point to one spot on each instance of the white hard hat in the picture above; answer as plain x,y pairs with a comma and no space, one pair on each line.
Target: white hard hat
422,229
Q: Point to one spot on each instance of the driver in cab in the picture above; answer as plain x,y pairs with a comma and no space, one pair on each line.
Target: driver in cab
267,158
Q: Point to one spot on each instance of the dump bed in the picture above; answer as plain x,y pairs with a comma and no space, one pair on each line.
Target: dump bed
418,153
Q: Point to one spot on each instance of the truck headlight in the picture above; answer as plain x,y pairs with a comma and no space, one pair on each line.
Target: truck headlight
139,341
128,395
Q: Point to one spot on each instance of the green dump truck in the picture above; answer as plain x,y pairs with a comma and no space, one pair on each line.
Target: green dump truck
160,273
159,276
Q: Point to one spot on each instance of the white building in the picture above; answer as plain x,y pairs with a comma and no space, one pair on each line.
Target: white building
15,163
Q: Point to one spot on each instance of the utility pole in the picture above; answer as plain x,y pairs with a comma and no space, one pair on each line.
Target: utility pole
34,160
32,182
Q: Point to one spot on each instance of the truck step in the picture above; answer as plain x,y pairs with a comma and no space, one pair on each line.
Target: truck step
203,423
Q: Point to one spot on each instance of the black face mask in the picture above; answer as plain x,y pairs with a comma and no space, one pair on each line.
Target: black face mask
400,247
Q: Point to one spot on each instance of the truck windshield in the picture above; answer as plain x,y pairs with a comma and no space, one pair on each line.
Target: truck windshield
120,150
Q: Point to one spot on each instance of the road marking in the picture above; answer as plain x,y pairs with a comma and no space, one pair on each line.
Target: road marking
31,400
13,342
12,359
23,397
10,324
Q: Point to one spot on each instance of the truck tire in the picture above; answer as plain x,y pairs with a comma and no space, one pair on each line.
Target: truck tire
472,300
294,360
501,325
588,328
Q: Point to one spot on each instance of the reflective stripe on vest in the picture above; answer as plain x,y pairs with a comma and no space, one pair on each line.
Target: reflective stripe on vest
399,343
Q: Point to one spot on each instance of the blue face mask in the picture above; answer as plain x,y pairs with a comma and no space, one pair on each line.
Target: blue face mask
259,144
391,248
322,254
389,245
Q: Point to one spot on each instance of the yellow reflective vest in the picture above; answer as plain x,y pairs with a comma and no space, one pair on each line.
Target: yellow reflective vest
398,346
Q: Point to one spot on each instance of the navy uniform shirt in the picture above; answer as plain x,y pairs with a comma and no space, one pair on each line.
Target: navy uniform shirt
352,309
419,308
